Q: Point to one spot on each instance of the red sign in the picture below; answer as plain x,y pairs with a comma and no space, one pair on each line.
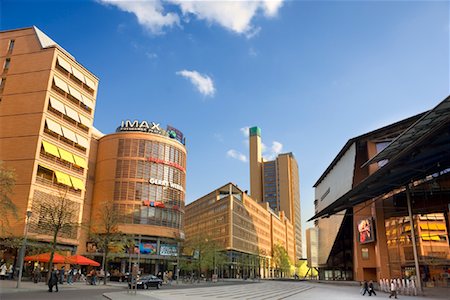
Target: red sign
169,163
153,203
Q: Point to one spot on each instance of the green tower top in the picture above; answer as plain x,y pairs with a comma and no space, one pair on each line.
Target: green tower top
255,131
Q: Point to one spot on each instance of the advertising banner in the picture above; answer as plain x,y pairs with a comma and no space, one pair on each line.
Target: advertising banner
169,250
147,248
366,231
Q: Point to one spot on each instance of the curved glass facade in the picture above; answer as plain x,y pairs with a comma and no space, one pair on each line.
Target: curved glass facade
149,182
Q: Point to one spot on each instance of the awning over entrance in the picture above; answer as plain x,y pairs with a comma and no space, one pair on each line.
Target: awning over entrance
420,151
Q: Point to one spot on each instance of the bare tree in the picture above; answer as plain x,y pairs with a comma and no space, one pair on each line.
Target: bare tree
7,206
107,232
58,218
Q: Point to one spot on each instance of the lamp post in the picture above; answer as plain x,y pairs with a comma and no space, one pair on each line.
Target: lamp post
22,249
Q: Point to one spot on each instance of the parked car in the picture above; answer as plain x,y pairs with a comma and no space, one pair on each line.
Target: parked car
147,281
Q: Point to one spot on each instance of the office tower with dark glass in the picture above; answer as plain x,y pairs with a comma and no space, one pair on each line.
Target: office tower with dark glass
277,183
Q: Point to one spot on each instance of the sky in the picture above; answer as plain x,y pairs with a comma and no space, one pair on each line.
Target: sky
310,74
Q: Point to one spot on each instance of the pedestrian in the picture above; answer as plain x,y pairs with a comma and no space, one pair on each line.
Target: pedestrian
10,272
93,274
3,270
371,289
61,275
365,288
36,274
70,276
393,289
53,281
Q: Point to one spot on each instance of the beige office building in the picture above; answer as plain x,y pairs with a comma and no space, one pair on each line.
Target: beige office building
276,182
46,114
245,229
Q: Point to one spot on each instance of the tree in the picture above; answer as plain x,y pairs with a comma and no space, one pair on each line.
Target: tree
281,259
58,217
107,232
7,206
206,254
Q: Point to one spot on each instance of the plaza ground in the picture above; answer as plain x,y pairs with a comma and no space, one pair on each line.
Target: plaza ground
227,289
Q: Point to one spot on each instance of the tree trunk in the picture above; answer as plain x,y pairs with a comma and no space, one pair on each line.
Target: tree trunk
105,263
52,254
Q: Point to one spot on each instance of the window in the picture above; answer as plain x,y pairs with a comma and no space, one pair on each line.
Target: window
11,45
7,62
2,83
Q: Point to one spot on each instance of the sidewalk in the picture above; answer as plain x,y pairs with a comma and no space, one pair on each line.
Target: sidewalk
9,286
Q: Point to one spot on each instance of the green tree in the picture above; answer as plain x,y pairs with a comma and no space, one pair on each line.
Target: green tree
58,216
281,259
107,233
7,206
206,253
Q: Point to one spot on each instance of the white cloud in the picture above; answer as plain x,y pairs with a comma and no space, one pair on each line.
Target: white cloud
150,13
274,150
203,83
236,155
245,131
234,15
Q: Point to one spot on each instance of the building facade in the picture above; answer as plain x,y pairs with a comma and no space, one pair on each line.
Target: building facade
141,169
276,182
47,109
382,205
245,230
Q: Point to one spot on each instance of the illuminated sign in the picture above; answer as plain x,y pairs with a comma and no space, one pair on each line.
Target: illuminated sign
366,231
153,203
166,183
169,163
168,250
152,127
147,248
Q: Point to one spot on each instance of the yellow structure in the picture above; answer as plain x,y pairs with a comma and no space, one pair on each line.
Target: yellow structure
46,115
276,182
244,228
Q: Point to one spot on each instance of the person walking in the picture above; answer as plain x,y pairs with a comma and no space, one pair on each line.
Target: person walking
10,272
70,276
3,270
61,275
371,289
365,288
393,289
53,281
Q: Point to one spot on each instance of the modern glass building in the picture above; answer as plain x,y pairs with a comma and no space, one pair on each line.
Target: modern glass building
141,169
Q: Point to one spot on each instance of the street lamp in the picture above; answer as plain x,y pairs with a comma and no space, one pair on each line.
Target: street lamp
22,249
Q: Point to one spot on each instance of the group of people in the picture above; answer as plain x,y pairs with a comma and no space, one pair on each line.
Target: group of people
391,286
367,287
399,286
6,272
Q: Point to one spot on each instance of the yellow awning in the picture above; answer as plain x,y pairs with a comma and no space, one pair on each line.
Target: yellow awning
50,148
79,161
66,155
77,183
432,226
63,178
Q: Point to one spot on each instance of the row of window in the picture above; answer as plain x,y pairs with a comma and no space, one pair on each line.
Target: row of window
139,214
68,114
66,135
151,149
72,94
74,74
137,191
141,169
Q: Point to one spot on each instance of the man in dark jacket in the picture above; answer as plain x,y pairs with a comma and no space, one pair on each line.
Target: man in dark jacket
53,281
371,289
366,288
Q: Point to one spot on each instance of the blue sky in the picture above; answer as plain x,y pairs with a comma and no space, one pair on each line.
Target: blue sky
310,74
